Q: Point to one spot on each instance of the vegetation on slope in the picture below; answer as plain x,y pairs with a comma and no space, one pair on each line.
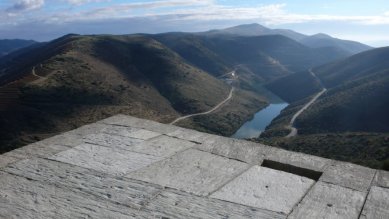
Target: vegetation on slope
350,121
368,149
81,79
295,87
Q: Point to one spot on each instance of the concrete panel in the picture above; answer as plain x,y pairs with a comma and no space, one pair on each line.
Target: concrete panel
377,204
245,151
123,120
382,179
330,201
162,146
24,198
88,129
266,188
192,171
40,150
112,141
121,190
130,132
190,135
174,204
144,134
349,175
6,160
103,159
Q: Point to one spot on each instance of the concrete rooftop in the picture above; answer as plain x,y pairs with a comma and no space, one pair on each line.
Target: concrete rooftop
124,167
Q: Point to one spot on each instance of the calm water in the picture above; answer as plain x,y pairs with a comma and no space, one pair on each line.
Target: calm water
262,118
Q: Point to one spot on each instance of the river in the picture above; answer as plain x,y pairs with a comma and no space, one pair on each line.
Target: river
261,120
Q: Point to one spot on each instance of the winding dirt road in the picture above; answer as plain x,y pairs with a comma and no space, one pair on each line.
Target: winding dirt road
293,130
211,110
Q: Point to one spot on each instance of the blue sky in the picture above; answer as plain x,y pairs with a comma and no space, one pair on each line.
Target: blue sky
365,21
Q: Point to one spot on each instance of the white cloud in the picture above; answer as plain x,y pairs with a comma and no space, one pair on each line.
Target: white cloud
26,5
80,2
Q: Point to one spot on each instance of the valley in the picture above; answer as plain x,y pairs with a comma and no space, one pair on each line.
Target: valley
243,81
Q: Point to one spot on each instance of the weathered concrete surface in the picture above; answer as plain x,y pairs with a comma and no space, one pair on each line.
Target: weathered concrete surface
23,198
329,201
107,160
114,141
6,160
125,167
190,135
122,120
162,146
121,190
245,151
175,204
377,204
191,171
349,175
265,188
382,179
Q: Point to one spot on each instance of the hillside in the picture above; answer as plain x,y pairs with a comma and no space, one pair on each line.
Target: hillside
8,46
295,87
324,40
267,57
354,67
358,98
349,119
360,105
79,79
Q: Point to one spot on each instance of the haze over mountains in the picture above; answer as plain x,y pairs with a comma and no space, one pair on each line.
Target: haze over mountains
50,87
8,46
315,41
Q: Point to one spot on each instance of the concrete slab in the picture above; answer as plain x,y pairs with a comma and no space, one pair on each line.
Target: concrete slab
190,135
65,139
162,146
117,189
382,179
266,188
40,150
144,134
192,171
24,198
88,129
349,175
106,160
6,160
326,200
129,121
175,204
377,204
241,150
111,141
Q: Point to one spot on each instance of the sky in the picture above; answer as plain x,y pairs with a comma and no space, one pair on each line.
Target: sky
43,20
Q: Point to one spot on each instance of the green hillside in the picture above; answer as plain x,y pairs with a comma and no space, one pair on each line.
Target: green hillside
81,79
350,121
295,87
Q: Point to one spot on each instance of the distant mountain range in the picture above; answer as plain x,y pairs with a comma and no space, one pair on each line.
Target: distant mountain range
8,46
314,41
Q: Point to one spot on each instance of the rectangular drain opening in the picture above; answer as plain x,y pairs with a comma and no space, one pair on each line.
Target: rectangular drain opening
312,174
